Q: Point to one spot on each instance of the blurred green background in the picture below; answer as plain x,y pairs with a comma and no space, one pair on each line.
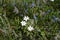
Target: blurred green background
44,16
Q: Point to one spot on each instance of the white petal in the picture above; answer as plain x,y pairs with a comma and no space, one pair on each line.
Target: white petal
23,23
52,0
26,18
30,28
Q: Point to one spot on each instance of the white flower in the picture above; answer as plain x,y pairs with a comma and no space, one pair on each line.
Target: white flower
26,18
23,23
30,28
52,0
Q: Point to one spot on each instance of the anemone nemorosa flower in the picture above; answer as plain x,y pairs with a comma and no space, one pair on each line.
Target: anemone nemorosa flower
30,28
23,23
26,18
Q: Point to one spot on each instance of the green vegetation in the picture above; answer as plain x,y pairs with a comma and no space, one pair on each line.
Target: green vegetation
42,22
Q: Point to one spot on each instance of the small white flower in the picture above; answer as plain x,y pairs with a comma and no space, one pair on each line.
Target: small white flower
26,18
23,23
30,28
52,0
